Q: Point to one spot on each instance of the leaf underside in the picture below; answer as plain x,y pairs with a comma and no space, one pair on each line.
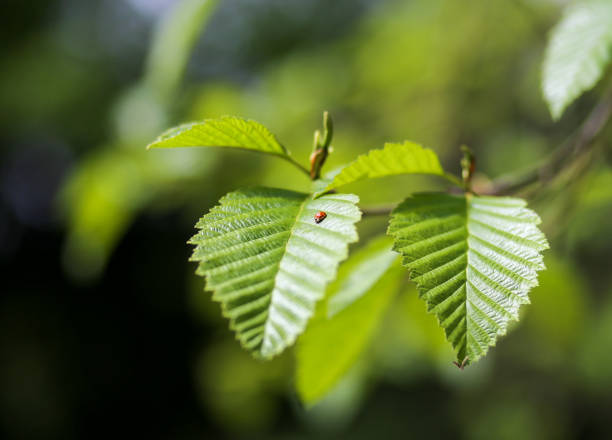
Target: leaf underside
227,132
268,262
474,260
393,159
577,54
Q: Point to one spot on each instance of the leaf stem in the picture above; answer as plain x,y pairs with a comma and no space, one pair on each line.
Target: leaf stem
562,157
299,166
453,179
368,211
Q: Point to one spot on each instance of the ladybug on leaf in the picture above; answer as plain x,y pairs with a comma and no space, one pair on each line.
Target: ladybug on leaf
319,217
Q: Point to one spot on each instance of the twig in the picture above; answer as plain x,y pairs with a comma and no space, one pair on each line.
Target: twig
370,211
565,154
559,160
292,161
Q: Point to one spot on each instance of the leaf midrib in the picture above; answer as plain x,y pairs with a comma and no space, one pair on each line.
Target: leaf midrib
464,339
284,252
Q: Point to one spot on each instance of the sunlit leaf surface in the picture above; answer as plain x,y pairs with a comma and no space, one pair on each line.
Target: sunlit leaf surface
577,54
268,262
393,159
228,131
474,260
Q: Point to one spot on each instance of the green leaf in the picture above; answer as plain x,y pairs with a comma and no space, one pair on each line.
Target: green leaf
227,131
474,260
577,53
330,346
319,186
173,41
100,198
393,159
268,262
360,273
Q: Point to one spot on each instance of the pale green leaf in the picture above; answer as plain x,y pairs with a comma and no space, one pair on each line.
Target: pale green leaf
173,41
318,186
360,273
227,131
393,159
474,260
577,54
330,346
268,262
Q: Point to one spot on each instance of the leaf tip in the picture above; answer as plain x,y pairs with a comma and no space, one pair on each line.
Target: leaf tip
556,111
461,365
154,144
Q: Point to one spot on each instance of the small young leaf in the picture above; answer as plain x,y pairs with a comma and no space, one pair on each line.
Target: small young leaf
318,186
330,346
474,260
577,54
227,131
268,262
393,159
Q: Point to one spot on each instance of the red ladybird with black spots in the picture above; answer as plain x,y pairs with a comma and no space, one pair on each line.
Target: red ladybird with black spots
319,217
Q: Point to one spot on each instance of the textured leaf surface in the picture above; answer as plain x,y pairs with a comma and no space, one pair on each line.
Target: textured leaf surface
268,262
577,54
330,346
474,260
393,159
228,131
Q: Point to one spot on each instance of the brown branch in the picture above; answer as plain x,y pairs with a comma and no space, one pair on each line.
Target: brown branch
582,142
561,159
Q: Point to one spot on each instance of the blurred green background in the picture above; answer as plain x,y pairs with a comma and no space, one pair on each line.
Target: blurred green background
104,329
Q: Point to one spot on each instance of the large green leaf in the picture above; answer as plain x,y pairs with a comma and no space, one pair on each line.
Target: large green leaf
268,262
577,54
393,159
474,260
331,345
227,131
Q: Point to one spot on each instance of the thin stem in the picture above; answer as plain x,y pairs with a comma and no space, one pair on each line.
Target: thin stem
370,211
582,142
292,161
453,179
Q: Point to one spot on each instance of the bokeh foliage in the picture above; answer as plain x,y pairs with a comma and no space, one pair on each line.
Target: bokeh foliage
441,73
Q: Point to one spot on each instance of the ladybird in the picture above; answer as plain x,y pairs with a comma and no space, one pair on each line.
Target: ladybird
319,217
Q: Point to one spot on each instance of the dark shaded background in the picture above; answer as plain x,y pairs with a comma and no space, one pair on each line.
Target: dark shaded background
105,332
